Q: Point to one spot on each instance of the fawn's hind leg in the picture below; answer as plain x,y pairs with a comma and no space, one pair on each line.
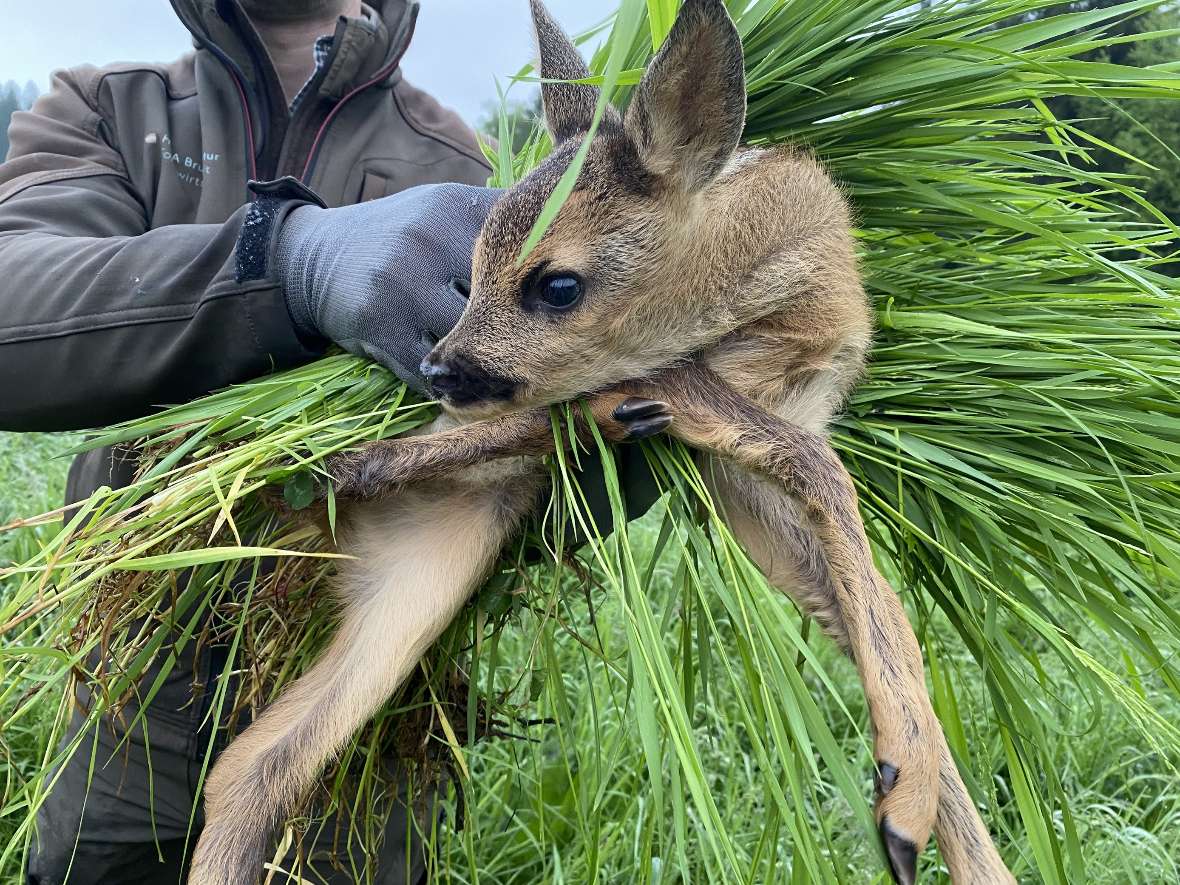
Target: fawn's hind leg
418,556
776,533
856,609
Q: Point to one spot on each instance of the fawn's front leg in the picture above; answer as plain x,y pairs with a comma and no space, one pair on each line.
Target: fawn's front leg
377,468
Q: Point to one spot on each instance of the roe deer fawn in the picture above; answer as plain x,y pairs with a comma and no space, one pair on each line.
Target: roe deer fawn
689,284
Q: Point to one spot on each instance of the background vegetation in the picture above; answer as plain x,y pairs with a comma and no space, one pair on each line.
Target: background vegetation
13,98
1155,131
1016,446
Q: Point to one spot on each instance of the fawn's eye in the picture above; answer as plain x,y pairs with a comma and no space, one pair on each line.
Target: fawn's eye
559,291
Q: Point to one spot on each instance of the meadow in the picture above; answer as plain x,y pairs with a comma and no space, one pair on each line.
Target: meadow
32,476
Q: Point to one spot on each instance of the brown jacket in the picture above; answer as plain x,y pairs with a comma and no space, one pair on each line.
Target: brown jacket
124,192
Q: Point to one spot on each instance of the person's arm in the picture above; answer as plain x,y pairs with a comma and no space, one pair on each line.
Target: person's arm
102,319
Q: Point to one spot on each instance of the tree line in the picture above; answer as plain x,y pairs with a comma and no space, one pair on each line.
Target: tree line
1147,130
13,98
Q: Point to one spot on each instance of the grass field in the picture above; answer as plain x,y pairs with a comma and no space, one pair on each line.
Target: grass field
527,819
32,480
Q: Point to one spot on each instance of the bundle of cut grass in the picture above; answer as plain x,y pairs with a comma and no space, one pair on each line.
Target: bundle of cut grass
1016,448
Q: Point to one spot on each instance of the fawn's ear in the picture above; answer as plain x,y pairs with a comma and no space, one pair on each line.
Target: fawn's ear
568,107
686,115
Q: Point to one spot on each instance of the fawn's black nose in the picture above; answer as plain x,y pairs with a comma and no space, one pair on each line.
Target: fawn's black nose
461,382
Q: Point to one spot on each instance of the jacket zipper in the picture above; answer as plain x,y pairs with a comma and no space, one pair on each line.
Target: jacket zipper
248,119
317,142
384,73
313,151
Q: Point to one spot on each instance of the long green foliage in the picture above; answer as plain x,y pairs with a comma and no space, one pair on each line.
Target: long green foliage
1016,447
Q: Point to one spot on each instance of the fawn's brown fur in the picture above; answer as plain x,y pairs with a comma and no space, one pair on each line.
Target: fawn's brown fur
725,279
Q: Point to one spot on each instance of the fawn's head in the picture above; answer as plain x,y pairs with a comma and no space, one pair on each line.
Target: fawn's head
598,300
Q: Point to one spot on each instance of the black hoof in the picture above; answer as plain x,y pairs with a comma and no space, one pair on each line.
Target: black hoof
324,488
272,498
902,853
642,417
650,427
637,407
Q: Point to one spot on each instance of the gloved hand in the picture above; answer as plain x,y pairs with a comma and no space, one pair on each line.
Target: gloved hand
383,279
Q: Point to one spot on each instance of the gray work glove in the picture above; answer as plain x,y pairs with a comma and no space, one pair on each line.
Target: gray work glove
383,279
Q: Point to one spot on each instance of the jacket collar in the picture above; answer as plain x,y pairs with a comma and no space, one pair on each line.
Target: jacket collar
364,48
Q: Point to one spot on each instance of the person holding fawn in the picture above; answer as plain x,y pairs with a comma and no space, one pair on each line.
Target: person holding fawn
159,226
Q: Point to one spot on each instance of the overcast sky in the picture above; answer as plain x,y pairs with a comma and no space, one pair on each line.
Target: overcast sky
458,48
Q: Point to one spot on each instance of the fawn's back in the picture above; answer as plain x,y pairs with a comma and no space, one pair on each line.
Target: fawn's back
775,238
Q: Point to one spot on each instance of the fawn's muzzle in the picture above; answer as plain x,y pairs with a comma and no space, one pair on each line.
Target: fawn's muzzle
461,382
